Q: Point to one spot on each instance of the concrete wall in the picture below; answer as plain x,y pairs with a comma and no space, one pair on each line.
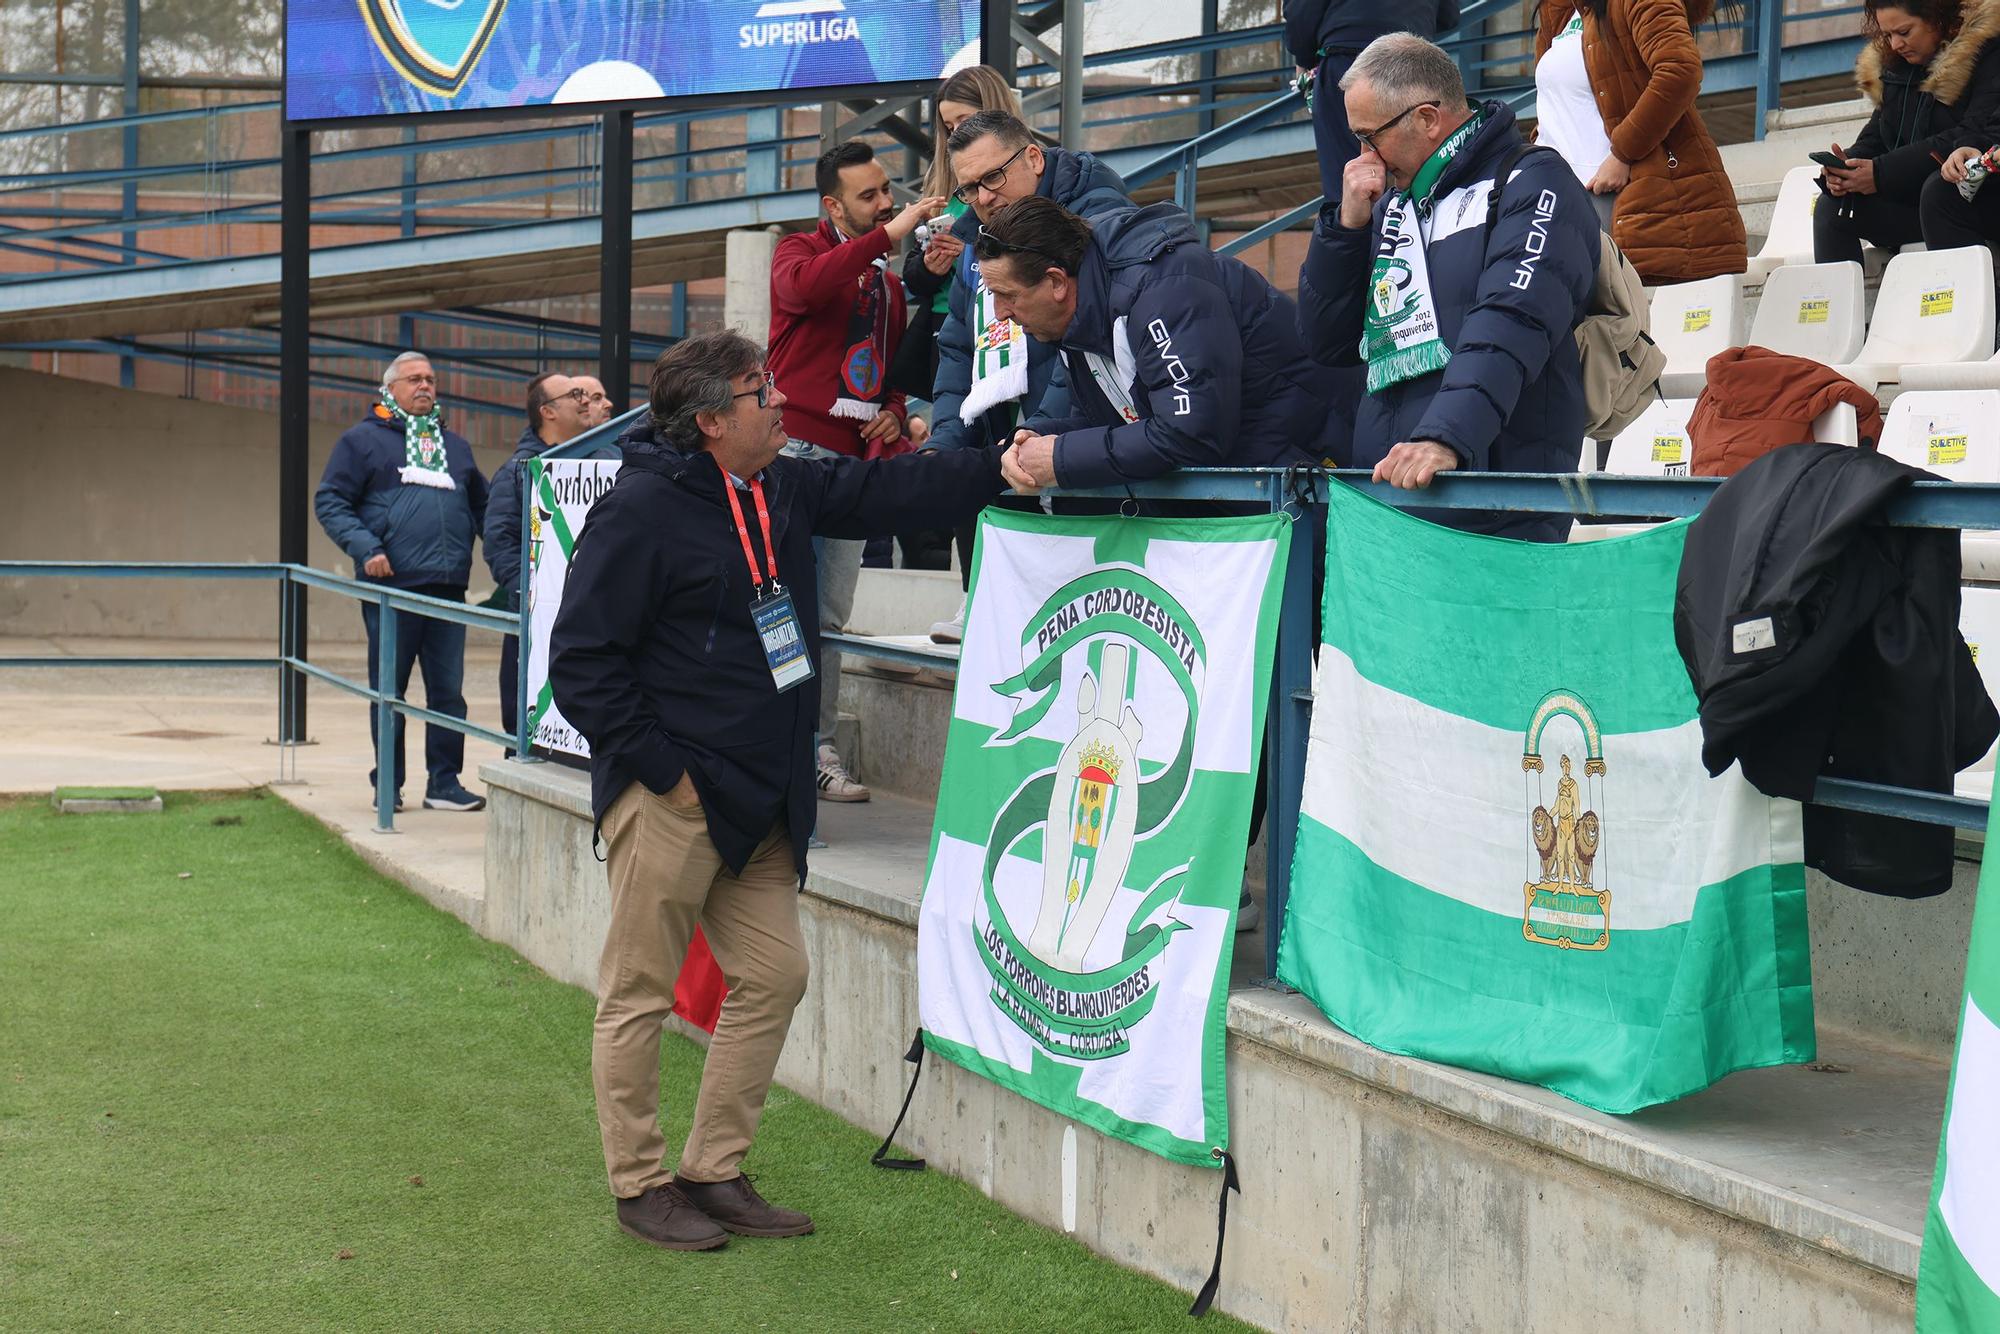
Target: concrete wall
100,473
1380,1193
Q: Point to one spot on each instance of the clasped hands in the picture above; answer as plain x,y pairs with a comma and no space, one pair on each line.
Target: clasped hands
1029,463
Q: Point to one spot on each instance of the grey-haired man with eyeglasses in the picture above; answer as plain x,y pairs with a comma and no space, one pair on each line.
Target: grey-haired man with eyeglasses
560,408
403,497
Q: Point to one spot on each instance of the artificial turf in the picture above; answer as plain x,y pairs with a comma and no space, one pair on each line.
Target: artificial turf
248,1083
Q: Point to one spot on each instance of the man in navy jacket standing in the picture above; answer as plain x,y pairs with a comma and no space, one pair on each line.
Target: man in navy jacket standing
683,652
1324,37
1175,356
1460,297
403,497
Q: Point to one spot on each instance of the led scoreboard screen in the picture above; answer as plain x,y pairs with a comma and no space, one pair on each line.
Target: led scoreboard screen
348,58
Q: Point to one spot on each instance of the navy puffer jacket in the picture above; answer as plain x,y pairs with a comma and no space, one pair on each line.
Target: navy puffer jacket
1084,186
1205,349
365,506
1511,397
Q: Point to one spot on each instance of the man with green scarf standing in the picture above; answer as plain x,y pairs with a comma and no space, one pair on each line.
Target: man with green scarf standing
1455,266
403,497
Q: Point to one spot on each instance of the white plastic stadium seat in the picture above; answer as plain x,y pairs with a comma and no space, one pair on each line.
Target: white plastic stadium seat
1952,375
1955,434
1934,306
1656,443
1979,622
1790,240
1816,311
1838,425
1691,323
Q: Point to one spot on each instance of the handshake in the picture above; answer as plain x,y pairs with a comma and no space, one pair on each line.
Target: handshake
1029,463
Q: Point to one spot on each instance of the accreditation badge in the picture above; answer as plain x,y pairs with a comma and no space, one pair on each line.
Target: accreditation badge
784,646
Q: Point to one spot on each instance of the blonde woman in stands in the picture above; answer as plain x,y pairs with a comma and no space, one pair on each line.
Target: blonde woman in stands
1615,84
927,269
1932,69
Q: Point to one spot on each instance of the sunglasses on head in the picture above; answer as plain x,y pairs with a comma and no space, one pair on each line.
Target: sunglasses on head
1015,248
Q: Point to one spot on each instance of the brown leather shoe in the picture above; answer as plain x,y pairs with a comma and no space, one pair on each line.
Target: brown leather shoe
737,1206
665,1217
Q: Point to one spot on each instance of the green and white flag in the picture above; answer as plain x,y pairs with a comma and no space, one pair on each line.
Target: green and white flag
1510,857
1088,855
1958,1278
559,495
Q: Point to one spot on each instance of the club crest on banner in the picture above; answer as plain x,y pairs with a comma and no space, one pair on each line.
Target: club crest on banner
1079,976
1565,900
433,43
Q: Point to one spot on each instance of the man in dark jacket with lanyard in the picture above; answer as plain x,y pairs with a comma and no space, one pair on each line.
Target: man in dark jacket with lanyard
1468,306
683,652
1175,356
1324,36
403,497
559,409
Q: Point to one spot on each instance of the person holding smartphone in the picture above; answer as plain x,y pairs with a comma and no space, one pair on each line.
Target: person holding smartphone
1932,69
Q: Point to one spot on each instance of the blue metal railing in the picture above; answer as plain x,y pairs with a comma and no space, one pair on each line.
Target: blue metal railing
1295,492
292,665
1585,496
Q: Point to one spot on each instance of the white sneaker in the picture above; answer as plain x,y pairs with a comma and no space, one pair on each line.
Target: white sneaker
1249,913
835,783
951,631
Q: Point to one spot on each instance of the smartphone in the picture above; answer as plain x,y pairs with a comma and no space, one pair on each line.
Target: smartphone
1829,161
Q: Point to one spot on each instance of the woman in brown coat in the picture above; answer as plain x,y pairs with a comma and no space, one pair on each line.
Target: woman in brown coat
1676,216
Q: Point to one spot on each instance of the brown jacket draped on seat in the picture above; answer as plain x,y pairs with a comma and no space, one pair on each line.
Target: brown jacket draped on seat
1677,218
1758,400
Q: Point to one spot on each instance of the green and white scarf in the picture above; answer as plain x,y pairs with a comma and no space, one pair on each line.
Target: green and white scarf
1399,329
999,358
424,462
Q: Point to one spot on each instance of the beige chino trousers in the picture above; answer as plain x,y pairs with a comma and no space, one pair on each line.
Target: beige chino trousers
665,878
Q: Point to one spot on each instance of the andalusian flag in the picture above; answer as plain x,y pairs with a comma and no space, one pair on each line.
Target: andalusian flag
1510,857
1958,1279
1088,855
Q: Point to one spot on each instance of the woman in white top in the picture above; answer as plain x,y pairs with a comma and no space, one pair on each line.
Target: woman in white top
1645,151
1567,118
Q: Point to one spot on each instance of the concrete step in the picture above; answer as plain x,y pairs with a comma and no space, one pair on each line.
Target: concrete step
903,602
1379,1191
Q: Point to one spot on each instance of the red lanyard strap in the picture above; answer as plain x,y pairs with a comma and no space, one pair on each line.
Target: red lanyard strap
743,530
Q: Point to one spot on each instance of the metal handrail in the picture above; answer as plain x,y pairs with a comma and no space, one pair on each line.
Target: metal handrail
292,665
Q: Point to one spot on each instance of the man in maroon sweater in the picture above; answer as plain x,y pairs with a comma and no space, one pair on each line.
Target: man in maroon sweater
837,317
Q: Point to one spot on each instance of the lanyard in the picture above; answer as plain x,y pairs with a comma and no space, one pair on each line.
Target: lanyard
743,530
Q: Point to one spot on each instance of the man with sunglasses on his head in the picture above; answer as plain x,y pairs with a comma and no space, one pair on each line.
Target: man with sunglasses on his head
683,652
1461,299
560,408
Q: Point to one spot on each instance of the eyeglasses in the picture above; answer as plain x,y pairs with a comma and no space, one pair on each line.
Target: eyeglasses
580,396
1368,137
992,180
762,392
419,379
1013,248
